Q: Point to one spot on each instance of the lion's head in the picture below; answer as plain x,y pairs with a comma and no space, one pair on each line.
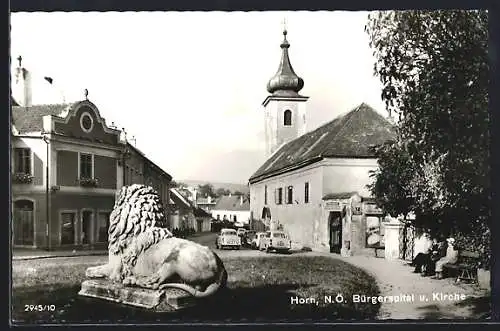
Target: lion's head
137,208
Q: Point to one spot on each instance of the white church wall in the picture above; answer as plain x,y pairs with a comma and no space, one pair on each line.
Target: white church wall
297,218
347,175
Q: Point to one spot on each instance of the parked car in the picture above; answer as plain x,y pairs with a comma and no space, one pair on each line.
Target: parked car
241,231
275,241
255,243
228,238
248,238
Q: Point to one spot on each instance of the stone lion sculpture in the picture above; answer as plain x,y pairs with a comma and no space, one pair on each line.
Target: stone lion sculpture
144,253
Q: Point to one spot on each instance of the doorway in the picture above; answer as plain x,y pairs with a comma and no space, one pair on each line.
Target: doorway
24,223
86,227
335,226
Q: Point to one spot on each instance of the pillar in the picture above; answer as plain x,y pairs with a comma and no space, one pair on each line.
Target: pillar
392,229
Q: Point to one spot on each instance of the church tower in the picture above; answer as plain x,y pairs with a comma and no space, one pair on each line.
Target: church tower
284,108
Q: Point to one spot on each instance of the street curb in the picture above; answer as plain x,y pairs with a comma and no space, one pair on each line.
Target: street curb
38,257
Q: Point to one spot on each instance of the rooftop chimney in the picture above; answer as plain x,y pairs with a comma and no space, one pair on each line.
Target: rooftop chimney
22,85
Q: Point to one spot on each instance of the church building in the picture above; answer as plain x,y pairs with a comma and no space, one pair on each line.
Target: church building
313,184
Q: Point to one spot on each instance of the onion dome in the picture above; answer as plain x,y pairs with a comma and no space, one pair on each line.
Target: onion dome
285,81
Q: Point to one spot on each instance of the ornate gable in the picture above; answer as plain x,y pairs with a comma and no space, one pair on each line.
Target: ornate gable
83,121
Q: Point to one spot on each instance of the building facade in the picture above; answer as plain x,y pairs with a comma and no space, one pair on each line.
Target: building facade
232,208
314,184
66,167
206,203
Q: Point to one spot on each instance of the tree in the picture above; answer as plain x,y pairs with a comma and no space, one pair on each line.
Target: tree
434,69
222,191
176,184
205,190
392,180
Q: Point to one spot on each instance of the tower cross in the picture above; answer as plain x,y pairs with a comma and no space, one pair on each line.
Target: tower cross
284,24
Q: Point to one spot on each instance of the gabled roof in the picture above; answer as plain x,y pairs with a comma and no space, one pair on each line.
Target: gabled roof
151,163
340,195
348,136
30,119
198,212
177,199
232,203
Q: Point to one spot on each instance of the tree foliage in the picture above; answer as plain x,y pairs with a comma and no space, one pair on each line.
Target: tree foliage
206,190
434,69
222,191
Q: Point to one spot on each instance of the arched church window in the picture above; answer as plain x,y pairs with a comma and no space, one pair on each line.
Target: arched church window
287,118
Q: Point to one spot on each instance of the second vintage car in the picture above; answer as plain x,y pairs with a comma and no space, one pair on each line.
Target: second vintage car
277,241
228,238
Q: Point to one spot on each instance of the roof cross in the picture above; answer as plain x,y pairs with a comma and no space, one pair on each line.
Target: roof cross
20,59
284,25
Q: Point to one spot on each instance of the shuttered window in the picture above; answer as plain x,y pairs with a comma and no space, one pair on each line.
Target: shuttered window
86,166
265,194
22,160
306,193
289,195
279,196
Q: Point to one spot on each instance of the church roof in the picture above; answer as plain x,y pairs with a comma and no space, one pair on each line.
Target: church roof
352,135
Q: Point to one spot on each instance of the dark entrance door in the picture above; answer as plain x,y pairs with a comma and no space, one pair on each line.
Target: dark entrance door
24,224
86,227
335,224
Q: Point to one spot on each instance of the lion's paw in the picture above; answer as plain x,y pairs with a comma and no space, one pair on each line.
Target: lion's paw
129,281
96,272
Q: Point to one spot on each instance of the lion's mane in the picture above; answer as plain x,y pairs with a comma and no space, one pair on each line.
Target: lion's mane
136,223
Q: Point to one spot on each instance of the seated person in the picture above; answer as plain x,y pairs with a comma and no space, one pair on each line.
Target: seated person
425,262
450,257
438,253
422,259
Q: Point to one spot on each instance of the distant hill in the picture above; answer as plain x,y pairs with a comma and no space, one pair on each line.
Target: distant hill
233,187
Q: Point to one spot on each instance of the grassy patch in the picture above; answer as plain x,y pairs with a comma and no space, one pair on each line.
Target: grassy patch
259,288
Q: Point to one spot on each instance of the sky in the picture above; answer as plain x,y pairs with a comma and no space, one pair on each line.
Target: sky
190,85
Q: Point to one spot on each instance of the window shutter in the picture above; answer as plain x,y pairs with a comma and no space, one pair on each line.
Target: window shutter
276,196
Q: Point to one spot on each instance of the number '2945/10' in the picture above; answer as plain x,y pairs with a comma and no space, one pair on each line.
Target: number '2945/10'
39,307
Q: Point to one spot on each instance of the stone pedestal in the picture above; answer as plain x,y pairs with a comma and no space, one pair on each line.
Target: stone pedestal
157,300
391,239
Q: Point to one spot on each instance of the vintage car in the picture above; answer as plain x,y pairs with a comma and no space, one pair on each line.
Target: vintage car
277,241
228,238
256,240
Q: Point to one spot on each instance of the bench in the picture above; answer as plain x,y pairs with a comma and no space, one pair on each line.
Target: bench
376,248
465,268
